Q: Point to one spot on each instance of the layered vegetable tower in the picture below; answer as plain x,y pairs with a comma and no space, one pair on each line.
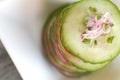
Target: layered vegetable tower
83,37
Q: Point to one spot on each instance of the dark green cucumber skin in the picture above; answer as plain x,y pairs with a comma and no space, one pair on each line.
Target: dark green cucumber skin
84,59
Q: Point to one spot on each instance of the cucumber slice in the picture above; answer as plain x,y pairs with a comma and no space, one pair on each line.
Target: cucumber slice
72,28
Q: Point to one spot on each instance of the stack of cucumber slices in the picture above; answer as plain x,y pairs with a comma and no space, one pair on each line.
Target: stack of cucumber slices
83,37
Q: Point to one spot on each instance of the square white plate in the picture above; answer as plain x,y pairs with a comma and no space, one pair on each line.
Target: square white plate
23,42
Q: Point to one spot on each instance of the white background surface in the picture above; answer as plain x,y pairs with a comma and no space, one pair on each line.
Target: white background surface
21,36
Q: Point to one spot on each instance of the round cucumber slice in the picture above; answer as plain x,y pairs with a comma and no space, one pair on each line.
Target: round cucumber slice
72,28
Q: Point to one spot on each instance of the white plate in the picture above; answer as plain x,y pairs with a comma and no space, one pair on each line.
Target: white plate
23,41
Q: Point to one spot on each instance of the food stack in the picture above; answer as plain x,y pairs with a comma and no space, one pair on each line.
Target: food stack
82,37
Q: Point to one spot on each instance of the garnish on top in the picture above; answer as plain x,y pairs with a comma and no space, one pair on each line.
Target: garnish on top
97,26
